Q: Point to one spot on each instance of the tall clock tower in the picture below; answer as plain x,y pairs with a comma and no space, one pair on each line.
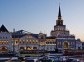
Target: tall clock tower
59,28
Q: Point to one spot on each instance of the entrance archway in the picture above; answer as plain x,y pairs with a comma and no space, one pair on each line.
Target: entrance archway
3,49
66,45
28,48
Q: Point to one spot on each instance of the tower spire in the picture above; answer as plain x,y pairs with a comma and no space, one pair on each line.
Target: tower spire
59,13
59,21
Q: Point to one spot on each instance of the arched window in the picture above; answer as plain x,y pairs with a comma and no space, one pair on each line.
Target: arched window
3,49
66,45
22,48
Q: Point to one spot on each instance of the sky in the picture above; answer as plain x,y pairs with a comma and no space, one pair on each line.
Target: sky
37,16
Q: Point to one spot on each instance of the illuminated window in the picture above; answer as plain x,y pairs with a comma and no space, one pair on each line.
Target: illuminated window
29,36
30,40
27,40
23,40
33,40
16,41
0,42
20,42
6,42
34,48
36,41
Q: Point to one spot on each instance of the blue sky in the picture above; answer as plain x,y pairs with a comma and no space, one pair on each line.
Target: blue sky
40,15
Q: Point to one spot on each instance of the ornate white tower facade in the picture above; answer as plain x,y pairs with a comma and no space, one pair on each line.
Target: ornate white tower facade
64,40
59,28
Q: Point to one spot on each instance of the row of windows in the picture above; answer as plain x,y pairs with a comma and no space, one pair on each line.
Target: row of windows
29,36
4,42
28,48
3,37
50,48
28,42
59,43
59,46
50,42
59,28
70,43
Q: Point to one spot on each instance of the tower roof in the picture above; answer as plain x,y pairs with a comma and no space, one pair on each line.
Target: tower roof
3,29
59,13
59,21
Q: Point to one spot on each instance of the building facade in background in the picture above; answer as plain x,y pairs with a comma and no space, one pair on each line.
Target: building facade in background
21,40
5,40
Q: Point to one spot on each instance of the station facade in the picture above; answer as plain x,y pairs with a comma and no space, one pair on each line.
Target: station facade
60,38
